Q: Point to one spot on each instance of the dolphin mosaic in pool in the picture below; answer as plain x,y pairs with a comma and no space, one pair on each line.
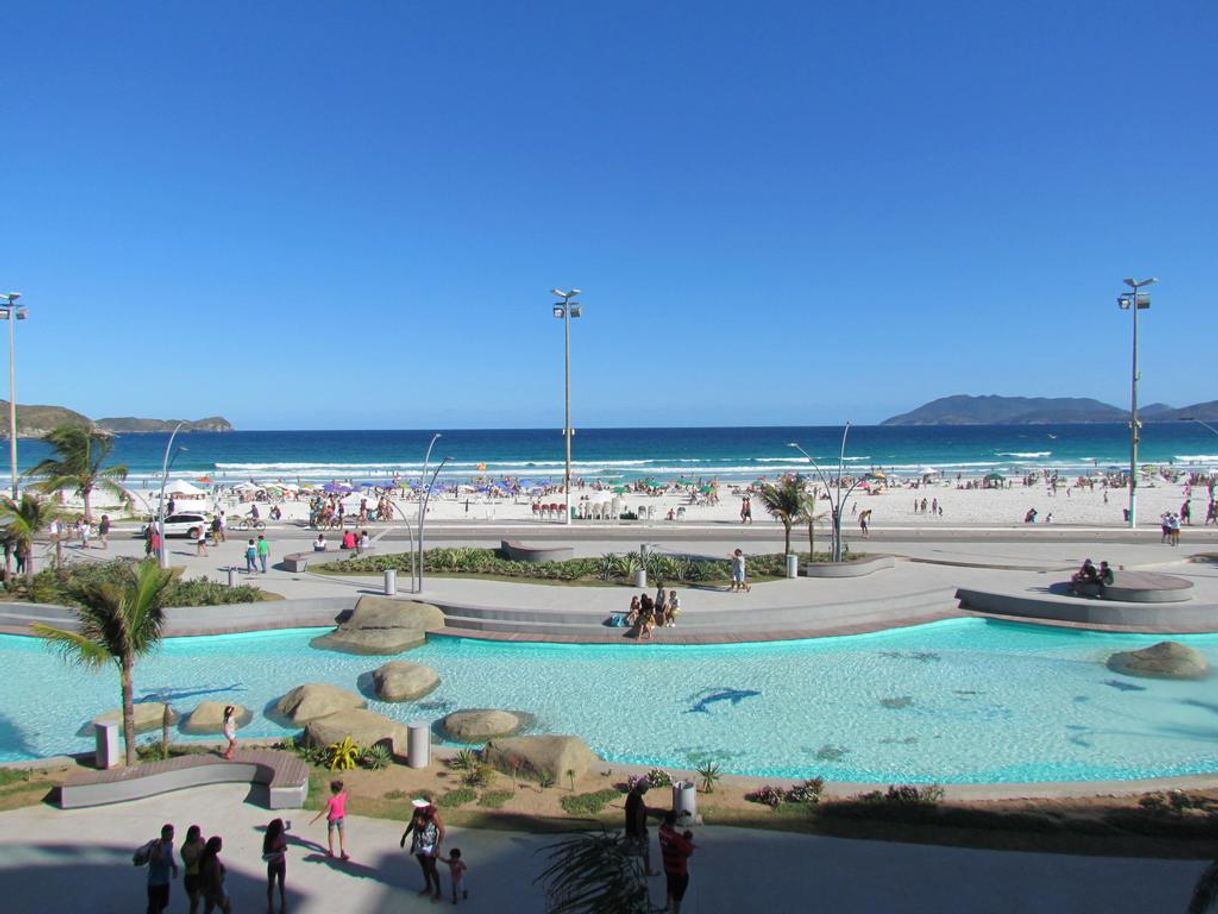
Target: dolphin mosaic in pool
714,696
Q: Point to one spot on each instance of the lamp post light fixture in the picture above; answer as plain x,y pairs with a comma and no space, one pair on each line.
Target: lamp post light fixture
565,310
162,555
1202,423
11,313
424,498
1133,302
837,500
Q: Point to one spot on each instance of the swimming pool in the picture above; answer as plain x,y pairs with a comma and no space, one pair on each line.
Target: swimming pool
959,701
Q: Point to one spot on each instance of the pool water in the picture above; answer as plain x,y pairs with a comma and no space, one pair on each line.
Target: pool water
960,701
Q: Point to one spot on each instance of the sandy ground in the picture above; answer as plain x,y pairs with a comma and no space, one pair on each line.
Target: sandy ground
890,507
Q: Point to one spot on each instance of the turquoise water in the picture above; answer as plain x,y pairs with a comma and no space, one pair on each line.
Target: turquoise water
958,701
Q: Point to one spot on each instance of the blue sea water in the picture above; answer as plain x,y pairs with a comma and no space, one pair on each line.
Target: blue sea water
959,701
741,453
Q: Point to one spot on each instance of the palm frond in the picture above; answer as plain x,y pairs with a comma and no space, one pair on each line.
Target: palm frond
74,647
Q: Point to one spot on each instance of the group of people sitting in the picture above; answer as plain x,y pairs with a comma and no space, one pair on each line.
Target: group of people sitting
350,540
1090,579
646,614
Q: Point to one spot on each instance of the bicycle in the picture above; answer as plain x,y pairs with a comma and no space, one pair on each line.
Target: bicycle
249,523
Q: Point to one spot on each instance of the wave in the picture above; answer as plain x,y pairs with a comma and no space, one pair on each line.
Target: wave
1023,453
1196,458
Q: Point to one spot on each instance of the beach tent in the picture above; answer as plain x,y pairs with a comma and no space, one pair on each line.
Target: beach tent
928,471
182,487
336,488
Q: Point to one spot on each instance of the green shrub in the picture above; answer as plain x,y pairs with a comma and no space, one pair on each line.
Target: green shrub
658,777
455,798
545,780
376,757
708,776
806,792
53,585
495,799
465,760
588,804
481,775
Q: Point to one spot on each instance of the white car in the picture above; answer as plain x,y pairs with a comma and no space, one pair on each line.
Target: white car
182,524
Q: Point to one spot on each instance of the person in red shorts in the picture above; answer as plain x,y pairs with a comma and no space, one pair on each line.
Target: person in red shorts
676,848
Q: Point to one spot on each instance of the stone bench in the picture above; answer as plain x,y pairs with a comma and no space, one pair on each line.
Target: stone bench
518,552
285,776
1133,587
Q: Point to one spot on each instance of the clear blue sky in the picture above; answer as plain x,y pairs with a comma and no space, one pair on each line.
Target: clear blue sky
307,215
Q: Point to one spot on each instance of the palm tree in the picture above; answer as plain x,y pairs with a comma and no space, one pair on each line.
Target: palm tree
808,515
20,522
79,464
118,622
784,501
595,873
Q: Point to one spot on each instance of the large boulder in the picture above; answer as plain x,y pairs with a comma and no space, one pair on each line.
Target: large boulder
380,625
534,756
399,680
208,717
366,728
317,699
148,716
1165,660
475,725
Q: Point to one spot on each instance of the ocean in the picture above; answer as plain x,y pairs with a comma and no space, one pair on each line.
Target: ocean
628,454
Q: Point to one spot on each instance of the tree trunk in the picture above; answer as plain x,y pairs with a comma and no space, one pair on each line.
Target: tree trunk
85,494
129,711
786,525
811,540
8,560
59,550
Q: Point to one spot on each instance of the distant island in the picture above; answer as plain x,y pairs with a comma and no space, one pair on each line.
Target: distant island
34,421
963,409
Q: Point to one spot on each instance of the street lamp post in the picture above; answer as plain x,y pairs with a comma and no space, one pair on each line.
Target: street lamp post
1203,424
162,556
424,497
1133,302
566,310
837,501
11,313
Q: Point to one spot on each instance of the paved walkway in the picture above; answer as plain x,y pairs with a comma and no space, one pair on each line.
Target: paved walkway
80,861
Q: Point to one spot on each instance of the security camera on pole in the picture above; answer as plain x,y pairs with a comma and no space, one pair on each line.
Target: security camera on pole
1134,302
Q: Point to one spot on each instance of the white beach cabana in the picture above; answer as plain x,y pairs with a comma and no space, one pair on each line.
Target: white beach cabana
185,489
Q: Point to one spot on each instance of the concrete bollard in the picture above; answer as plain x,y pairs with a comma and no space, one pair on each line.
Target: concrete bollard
391,582
640,579
232,576
107,745
418,744
792,565
685,801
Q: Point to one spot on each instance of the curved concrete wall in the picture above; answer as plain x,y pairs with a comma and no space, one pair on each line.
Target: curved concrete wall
848,569
1149,617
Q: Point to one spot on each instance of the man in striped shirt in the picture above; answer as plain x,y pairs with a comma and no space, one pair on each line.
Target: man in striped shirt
675,848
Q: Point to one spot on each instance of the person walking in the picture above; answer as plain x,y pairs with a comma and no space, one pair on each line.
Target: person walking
161,869
676,849
427,834
211,878
201,542
739,571
636,824
251,557
192,850
103,531
264,551
275,853
335,812
230,732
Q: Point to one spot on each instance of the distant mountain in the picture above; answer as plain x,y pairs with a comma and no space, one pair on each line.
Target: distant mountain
963,409
127,425
993,410
34,421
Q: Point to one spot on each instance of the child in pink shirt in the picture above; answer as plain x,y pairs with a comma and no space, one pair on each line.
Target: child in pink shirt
335,812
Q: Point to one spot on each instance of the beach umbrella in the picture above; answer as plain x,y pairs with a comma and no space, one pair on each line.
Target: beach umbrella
336,488
206,479
877,474
994,477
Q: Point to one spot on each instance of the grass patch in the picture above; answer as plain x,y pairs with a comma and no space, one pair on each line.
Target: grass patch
459,797
495,799
588,804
